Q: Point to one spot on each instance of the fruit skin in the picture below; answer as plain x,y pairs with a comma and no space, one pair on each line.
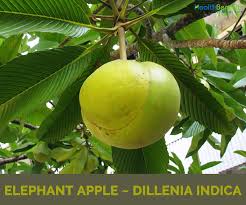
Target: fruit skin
128,104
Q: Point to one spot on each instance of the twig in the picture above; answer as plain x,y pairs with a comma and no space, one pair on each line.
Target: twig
12,159
26,125
239,19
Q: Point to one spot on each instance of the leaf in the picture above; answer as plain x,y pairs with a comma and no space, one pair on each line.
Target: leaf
232,107
239,78
10,135
174,169
68,17
61,154
210,164
225,140
77,164
197,142
219,74
31,80
229,90
194,129
9,49
170,7
179,125
66,115
152,159
100,149
196,100
175,159
213,142
241,152
195,167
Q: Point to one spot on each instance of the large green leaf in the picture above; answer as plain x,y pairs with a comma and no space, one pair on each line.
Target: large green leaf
170,6
66,115
196,100
60,16
30,80
148,160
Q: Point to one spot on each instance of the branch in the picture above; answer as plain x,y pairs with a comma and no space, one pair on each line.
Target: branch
12,159
195,43
194,16
206,43
26,125
198,43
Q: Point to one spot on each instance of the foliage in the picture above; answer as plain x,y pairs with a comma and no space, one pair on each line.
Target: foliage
48,48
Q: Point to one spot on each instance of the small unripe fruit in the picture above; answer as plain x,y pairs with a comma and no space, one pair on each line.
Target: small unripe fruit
128,104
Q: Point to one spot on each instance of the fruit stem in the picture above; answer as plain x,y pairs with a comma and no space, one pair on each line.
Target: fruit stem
122,41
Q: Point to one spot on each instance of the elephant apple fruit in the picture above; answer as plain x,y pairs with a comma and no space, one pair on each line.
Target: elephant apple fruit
130,104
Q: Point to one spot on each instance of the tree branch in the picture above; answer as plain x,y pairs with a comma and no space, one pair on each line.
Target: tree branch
195,43
12,159
26,125
206,43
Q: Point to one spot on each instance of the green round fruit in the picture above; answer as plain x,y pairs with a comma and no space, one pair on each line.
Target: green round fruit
128,104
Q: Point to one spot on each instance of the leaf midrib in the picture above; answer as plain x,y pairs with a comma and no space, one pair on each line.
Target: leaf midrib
45,79
46,17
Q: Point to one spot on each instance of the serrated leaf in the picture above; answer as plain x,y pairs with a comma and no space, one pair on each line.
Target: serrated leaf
68,17
196,100
148,160
66,115
31,80
193,130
